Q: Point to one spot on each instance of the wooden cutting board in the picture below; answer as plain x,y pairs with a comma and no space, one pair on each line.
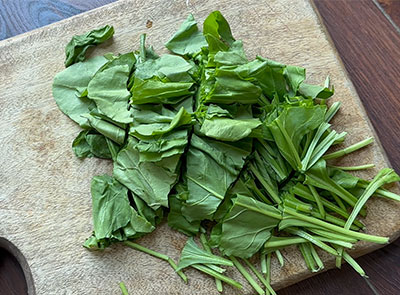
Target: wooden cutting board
45,203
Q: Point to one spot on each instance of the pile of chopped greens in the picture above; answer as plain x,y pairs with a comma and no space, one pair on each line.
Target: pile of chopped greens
231,151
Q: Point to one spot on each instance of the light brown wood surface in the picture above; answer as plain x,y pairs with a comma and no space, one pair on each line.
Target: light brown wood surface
45,204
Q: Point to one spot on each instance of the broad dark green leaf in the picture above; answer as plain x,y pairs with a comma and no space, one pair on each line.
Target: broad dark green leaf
94,244
112,211
155,149
217,32
344,179
76,48
170,67
315,91
211,167
247,227
152,216
108,89
176,220
188,40
151,181
128,59
146,123
230,88
295,76
87,145
233,57
163,132
70,83
217,111
230,129
267,74
109,130
137,227
155,90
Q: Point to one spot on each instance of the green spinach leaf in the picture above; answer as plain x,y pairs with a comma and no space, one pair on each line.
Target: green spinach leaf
192,254
151,181
70,83
188,40
211,167
76,48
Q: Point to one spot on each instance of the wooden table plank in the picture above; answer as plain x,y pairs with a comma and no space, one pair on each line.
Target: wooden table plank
20,16
369,48
392,9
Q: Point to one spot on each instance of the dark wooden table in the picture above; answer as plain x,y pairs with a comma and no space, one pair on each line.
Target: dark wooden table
367,36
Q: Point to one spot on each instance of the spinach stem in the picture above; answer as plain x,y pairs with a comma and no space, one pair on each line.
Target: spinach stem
142,51
371,286
310,146
322,147
299,206
349,149
332,111
123,288
329,185
384,176
259,193
158,255
146,250
263,258
308,258
354,168
381,192
265,184
317,199
316,257
277,164
340,203
179,272
284,241
292,148
206,247
268,275
333,219
264,212
215,274
313,240
331,235
247,276
280,257
303,192
260,277
338,260
350,260
335,242
338,229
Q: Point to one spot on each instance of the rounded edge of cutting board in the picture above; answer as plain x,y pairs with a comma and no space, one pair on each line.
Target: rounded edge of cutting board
11,248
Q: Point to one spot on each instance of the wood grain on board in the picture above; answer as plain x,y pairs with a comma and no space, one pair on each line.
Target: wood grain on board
278,14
